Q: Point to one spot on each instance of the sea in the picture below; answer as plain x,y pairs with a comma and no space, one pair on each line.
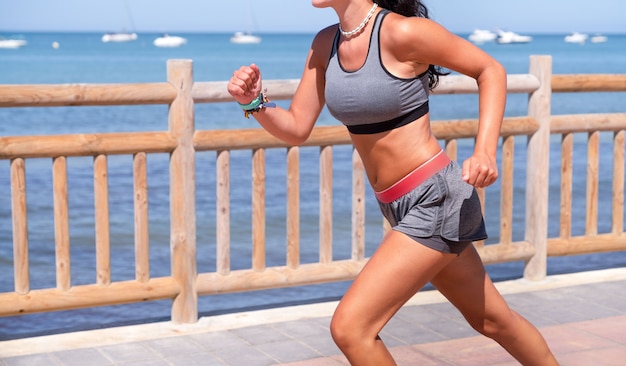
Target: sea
77,58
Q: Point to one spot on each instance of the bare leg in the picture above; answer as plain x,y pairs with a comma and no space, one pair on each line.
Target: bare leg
399,268
465,283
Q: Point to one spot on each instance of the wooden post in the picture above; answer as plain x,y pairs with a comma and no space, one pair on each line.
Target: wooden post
142,231
538,169
20,226
326,204
593,183
506,190
183,193
258,210
358,207
222,216
61,223
293,207
617,226
102,220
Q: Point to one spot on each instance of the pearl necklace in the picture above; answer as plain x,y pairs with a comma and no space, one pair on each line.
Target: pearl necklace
362,25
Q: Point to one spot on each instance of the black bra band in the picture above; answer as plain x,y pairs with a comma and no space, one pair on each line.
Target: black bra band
400,121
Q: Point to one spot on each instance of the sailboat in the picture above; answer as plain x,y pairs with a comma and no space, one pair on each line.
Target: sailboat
122,36
119,37
246,37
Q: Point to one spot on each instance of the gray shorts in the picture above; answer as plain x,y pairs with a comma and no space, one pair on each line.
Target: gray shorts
443,213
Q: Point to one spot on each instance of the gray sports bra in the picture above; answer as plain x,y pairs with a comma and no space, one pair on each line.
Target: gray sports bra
371,99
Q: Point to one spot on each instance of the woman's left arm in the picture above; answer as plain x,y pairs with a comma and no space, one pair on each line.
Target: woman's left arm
429,43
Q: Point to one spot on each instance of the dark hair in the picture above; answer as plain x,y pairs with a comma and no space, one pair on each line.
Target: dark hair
413,8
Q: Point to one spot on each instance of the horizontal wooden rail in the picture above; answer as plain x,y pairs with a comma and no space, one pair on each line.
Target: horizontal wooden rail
246,139
277,277
85,144
586,244
577,123
588,83
85,94
500,253
216,91
468,128
461,84
259,138
121,292
213,92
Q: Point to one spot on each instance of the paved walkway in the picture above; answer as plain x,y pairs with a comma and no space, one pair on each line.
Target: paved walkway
583,317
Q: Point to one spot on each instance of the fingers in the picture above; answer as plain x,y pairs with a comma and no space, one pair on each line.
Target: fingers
245,83
242,82
479,172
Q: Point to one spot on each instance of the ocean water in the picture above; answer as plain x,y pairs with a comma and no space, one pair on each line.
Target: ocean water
83,58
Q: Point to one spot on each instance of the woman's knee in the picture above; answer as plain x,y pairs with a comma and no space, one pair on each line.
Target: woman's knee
349,331
494,327
341,331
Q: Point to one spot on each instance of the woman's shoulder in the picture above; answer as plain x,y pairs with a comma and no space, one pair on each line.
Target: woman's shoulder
321,47
408,33
401,27
327,34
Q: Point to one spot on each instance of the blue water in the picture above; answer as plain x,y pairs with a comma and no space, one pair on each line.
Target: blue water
83,58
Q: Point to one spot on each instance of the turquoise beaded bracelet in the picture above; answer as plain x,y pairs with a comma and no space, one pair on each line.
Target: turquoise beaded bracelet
256,105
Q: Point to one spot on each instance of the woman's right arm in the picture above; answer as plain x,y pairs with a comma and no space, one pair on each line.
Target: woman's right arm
293,125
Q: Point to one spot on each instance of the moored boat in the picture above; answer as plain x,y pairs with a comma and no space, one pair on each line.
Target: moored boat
169,41
598,38
482,35
576,38
12,43
119,37
509,37
244,38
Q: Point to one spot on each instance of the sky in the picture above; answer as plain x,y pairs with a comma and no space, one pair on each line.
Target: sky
299,16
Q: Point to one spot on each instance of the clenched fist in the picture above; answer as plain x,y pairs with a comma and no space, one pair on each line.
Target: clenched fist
245,84
480,171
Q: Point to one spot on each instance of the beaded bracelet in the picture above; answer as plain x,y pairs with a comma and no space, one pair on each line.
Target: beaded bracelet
257,104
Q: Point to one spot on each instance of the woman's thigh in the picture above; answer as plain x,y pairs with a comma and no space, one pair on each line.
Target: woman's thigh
396,271
465,283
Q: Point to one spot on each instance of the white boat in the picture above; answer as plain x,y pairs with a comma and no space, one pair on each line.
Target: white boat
508,37
119,37
247,37
598,38
576,38
480,36
122,36
169,41
12,43
244,38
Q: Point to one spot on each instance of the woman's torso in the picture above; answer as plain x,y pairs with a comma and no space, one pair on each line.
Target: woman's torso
391,154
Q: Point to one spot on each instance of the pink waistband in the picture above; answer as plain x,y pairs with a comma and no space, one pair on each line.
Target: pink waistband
414,178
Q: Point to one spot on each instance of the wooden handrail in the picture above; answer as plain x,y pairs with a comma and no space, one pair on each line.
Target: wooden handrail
85,94
588,83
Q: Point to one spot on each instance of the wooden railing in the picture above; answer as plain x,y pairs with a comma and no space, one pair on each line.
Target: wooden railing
183,143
